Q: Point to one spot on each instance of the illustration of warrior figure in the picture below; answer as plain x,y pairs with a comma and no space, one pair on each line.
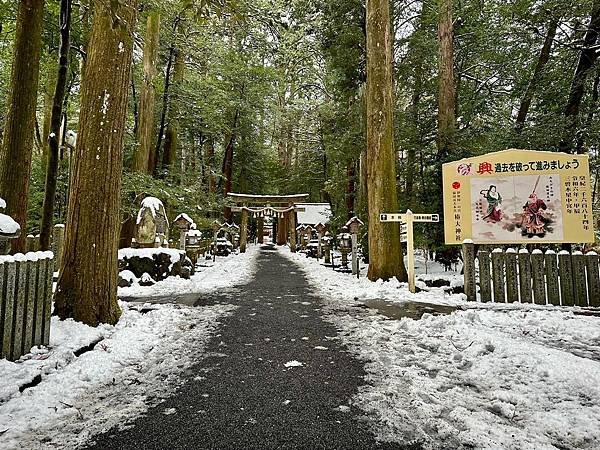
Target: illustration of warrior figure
534,223
494,199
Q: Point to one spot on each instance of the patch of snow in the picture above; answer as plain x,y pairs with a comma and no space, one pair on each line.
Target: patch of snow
486,376
132,366
2,203
8,226
293,363
224,273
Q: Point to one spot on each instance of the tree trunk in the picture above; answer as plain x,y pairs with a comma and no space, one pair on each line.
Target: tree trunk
210,162
537,73
144,156
172,132
19,128
55,123
351,189
165,107
447,88
87,287
590,115
227,169
385,252
587,58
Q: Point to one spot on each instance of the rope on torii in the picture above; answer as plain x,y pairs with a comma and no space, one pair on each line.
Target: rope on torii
267,211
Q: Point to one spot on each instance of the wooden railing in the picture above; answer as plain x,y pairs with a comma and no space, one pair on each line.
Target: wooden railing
25,302
562,279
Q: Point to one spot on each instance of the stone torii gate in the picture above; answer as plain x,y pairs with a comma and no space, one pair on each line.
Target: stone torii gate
282,207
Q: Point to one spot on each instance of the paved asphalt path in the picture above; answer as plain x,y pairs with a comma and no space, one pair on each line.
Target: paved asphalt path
243,397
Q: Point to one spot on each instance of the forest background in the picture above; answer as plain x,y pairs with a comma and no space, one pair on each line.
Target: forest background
269,97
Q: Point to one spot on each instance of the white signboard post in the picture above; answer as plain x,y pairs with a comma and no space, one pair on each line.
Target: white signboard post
409,218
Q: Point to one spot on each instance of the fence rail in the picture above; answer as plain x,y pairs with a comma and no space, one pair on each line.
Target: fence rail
25,302
509,276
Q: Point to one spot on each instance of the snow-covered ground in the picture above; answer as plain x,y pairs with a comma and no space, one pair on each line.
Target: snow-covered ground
223,273
128,367
485,376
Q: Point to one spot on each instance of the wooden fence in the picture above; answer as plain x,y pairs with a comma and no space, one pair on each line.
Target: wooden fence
25,302
542,278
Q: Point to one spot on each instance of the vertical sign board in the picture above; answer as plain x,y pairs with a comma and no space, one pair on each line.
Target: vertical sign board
518,197
409,218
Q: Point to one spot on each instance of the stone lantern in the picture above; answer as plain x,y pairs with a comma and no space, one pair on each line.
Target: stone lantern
9,230
192,243
345,245
183,223
354,225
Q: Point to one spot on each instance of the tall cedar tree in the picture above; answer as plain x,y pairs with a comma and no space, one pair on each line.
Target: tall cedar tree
172,131
447,88
144,156
385,252
87,287
17,142
55,123
587,59
543,59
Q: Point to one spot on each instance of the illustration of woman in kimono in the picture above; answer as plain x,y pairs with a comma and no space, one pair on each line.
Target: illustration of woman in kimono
494,199
534,223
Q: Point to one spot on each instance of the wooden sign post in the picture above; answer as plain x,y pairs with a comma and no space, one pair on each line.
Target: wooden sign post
409,218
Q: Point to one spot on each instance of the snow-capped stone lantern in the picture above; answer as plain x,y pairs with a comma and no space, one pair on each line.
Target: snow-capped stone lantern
354,225
345,245
183,223
152,225
192,243
9,229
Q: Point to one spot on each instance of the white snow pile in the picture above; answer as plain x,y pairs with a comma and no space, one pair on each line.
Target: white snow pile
346,287
2,203
185,217
225,272
293,363
490,376
8,226
173,253
154,205
132,366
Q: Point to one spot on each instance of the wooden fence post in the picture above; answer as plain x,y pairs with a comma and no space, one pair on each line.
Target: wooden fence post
19,306
8,297
29,304
552,283
579,279
3,300
485,278
593,278
498,275
537,270
469,269
565,270
512,282
525,276
47,299
58,239
40,290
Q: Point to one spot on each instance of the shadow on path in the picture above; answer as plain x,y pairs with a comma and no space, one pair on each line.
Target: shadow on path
242,396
